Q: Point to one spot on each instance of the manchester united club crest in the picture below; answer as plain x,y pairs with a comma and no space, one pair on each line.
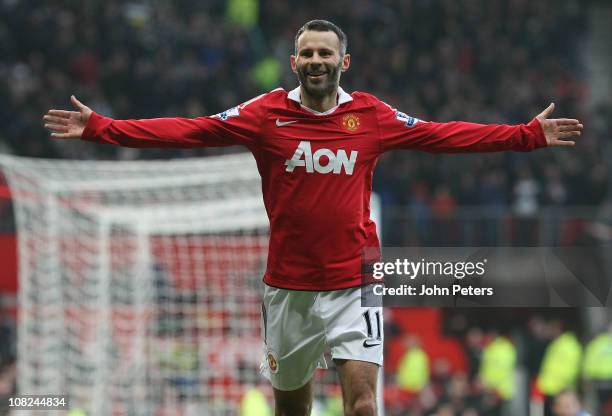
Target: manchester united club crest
350,122
272,362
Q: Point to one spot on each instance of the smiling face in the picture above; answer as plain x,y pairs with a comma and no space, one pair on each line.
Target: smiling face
319,62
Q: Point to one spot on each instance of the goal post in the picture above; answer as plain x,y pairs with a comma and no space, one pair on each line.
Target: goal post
141,283
181,285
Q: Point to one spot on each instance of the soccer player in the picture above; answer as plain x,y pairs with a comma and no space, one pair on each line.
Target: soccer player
316,148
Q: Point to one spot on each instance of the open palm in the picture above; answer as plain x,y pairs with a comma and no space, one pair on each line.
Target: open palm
558,130
68,124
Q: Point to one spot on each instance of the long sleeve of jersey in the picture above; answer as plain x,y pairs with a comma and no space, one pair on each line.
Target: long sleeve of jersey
236,126
316,170
400,131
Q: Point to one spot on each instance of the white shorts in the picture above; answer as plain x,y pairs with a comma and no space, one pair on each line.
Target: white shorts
298,326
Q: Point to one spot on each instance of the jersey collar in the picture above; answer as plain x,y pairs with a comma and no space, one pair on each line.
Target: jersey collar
343,97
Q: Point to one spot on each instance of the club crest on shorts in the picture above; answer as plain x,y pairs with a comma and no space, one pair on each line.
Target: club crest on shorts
272,362
351,122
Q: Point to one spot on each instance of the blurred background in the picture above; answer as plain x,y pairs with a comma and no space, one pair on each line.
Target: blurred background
487,61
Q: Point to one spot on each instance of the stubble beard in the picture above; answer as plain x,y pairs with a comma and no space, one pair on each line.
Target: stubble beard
321,89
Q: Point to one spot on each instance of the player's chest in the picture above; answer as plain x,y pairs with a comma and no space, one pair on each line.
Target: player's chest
326,142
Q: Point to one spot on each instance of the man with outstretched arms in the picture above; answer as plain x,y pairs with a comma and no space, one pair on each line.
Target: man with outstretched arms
316,148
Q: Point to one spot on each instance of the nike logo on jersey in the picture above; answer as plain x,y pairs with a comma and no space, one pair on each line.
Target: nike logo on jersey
284,123
366,344
332,162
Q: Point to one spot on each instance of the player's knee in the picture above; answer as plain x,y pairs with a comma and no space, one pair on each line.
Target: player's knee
292,409
363,406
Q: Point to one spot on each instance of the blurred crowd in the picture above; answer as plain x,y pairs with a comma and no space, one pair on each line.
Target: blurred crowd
475,60
559,373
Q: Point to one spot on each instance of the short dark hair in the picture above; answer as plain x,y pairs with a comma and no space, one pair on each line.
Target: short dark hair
323,26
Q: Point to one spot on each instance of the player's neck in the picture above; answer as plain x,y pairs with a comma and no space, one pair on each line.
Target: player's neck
322,104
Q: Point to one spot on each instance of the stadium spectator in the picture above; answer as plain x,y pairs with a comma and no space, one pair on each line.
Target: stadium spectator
526,207
413,369
498,367
254,403
560,365
597,368
566,403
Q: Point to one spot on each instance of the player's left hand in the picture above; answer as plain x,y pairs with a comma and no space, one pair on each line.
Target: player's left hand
558,130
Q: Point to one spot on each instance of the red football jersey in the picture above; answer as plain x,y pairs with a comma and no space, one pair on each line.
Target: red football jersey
316,169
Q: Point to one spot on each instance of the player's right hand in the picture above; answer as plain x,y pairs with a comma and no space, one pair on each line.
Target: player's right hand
68,124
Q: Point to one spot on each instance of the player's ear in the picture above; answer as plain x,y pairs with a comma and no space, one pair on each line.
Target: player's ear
293,64
346,62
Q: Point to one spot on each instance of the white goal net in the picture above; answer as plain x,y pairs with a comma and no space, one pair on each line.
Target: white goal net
141,283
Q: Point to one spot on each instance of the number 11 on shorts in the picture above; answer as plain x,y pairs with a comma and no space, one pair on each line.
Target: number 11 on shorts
368,321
